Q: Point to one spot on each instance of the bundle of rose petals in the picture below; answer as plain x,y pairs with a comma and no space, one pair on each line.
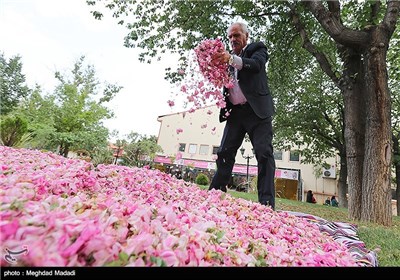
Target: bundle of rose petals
215,71
204,77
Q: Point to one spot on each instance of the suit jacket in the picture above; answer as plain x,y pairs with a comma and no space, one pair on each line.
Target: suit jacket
254,82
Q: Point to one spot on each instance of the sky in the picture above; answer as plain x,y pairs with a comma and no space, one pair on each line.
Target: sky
50,35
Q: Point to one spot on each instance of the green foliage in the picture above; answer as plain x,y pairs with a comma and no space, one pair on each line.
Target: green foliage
308,105
13,130
139,149
72,116
101,155
122,260
394,86
158,261
174,26
39,111
12,84
78,116
202,179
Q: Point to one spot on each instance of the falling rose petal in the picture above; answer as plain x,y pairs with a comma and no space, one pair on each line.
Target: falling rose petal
179,130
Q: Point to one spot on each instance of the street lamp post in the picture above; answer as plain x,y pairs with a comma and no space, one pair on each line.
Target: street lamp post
247,157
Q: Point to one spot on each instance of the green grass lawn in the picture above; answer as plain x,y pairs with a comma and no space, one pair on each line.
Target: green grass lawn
385,239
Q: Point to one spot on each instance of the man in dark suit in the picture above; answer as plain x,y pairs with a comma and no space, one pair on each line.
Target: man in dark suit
249,109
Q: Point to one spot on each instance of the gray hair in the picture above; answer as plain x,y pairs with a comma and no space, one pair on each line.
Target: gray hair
242,25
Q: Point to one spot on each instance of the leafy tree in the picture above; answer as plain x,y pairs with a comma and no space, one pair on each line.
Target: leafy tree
13,130
78,115
12,83
358,69
139,149
101,155
305,122
39,110
363,82
310,116
348,40
71,117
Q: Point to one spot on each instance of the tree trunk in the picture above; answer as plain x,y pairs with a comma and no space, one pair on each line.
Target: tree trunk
64,150
396,153
342,184
366,104
376,195
354,127
398,189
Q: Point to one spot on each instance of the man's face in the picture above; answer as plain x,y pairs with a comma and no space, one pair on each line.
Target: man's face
237,38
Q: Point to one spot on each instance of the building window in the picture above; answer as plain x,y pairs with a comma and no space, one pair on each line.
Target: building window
278,155
294,155
203,150
192,148
215,150
182,147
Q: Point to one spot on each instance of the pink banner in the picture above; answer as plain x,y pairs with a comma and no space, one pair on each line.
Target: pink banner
199,164
186,162
160,159
242,169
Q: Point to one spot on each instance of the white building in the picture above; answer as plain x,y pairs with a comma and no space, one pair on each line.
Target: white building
190,142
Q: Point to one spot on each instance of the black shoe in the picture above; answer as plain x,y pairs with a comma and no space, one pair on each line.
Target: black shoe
266,203
218,188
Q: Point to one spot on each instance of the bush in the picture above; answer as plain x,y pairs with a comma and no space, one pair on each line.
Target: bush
13,130
102,156
202,179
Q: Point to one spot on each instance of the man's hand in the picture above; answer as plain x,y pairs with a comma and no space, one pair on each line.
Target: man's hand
222,57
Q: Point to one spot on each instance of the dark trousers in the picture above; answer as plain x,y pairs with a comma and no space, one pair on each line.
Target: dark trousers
241,120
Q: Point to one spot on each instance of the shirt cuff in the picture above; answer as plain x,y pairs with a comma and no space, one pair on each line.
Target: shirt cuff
237,61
